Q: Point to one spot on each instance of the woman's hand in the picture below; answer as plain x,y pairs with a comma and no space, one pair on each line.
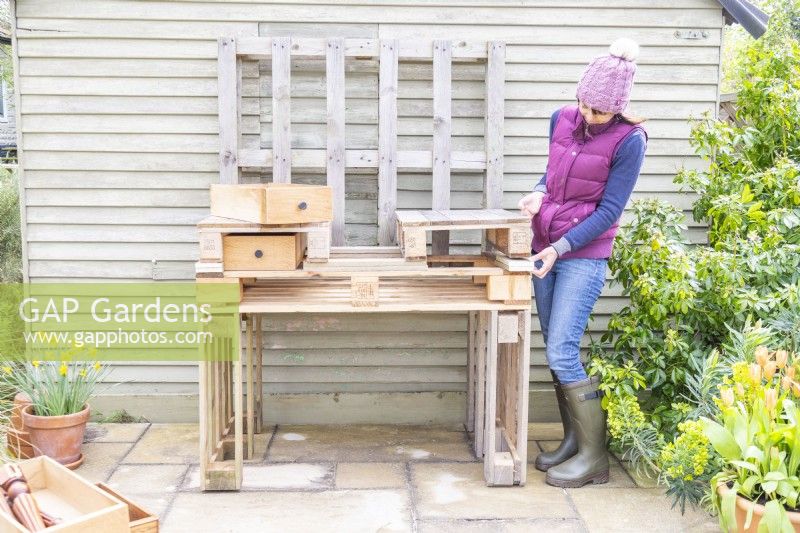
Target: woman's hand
548,257
530,203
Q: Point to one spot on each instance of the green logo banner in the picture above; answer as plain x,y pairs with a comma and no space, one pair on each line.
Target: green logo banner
148,321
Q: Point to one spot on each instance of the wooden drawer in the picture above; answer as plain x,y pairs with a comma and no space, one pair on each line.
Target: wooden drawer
141,521
276,251
273,203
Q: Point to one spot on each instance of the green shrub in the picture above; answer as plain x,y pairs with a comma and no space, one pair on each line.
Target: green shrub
696,309
10,236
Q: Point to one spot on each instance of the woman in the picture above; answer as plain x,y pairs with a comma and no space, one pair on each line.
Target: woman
596,153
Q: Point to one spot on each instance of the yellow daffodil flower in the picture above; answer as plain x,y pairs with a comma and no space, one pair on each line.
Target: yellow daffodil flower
63,369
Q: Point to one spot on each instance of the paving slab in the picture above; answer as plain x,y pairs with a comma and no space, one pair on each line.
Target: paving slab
369,443
101,458
320,512
459,491
635,510
99,432
568,525
260,442
617,476
370,475
640,476
545,431
150,486
275,476
167,443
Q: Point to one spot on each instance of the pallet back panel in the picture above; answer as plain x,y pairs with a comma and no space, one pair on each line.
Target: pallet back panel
356,147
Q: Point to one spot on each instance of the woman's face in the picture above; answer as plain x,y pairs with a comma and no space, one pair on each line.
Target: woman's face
592,116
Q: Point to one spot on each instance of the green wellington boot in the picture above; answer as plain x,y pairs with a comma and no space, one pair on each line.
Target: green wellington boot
590,464
568,446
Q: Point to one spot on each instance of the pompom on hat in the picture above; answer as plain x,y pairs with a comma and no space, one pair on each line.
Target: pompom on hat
606,82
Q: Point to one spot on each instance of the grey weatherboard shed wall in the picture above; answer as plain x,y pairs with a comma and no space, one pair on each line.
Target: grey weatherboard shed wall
118,143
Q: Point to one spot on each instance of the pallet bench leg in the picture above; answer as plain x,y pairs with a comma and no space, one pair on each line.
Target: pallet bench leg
505,419
221,431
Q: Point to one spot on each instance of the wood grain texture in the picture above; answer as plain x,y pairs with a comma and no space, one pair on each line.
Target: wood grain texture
229,83
442,128
334,76
387,141
281,110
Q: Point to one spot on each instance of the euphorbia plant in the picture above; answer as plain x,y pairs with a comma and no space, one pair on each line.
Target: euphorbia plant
757,436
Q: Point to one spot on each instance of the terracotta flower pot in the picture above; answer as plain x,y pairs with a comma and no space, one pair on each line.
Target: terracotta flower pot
17,437
20,401
743,505
59,437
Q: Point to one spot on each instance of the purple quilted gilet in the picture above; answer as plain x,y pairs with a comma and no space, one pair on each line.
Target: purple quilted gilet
577,171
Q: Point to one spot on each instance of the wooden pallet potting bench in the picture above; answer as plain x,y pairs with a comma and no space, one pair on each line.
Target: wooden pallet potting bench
399,275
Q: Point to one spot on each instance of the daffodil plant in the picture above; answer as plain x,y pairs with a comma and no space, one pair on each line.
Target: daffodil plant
56,387
757,435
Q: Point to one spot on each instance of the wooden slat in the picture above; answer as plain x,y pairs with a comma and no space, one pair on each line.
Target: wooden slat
204,415
259,368
218,398
251,401
334,74
490,414
470,425
409,49
281,111
523,384
493,136
408,160
442,126
480,384
387,141
229,83
396,295
238,421
323,270
460,217
231,225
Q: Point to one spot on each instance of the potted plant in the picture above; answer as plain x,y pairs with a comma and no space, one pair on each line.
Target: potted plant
59,410
757,436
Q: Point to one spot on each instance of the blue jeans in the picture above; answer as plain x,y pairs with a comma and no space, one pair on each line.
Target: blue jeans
564,298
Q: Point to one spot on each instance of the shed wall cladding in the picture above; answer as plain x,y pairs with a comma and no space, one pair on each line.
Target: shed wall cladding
119,132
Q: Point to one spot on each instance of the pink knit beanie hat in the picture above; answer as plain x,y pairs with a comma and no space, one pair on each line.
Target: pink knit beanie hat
606,82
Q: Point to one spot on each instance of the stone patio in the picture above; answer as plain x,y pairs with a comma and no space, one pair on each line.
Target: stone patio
365,478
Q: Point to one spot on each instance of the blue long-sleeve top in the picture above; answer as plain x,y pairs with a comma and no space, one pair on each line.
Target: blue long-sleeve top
622,176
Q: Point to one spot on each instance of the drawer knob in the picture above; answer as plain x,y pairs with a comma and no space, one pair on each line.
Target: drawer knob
259,254
302,205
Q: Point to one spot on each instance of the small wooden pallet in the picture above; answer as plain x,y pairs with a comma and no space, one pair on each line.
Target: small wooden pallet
366,293
369,270
213,231
505,231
